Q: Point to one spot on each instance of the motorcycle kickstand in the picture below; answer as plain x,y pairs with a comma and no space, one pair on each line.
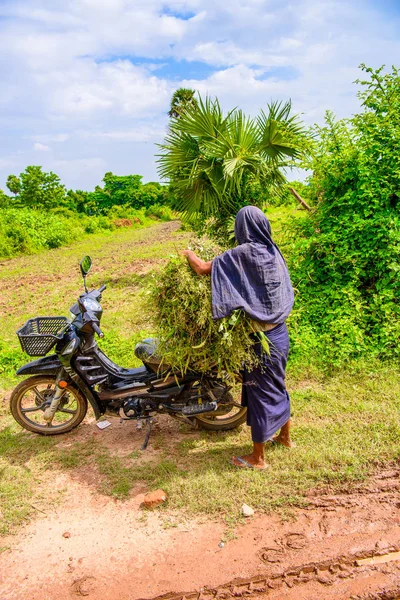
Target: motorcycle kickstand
149,424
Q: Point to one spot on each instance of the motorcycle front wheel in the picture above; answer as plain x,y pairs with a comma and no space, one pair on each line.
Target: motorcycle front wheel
31,397
227,416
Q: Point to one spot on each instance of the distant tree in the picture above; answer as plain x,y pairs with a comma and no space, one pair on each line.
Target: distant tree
118,190
153,193
4,200
14,184
37,189
102,201
182,99
122,189
79,201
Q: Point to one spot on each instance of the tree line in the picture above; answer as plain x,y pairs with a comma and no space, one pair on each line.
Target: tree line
35,188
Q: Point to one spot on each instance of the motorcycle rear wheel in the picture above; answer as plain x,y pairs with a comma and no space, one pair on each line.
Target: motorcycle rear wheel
226,417
32,396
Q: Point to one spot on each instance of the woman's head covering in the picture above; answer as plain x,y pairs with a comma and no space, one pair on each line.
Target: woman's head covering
251,225
253,276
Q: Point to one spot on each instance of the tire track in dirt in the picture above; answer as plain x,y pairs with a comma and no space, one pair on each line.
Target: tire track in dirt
371,573
326,572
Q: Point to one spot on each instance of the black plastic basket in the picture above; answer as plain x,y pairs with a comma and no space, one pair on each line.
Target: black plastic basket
39,335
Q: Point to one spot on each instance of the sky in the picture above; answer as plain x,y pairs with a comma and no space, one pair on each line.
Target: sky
86,84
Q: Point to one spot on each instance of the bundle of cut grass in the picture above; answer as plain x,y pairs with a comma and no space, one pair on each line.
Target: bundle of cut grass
189,338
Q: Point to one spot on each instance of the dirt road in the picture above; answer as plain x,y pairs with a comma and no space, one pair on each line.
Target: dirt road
92,546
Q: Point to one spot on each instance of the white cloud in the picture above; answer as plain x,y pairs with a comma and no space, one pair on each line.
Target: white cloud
90,81
141,134
40,147
81,163
119,87
6,163
56,137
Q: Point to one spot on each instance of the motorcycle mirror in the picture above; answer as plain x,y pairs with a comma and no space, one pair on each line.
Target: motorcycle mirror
86,265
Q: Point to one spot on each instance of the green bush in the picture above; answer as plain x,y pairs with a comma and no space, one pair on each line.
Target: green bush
10,358
136,216
26,231
97,224
344,256
164,213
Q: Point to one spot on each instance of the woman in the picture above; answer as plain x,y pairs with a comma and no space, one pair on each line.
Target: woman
254,277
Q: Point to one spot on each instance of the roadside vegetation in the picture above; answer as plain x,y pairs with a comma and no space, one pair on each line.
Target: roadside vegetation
41,214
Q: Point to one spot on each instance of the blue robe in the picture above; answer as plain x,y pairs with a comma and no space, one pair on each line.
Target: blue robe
254,277
264,390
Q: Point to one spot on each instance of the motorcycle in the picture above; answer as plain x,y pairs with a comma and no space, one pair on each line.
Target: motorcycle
54,399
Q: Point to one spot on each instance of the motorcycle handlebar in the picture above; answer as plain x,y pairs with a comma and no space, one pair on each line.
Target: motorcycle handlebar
97,330
102,288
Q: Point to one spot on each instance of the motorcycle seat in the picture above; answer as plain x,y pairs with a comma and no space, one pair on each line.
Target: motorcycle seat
140,374
146,351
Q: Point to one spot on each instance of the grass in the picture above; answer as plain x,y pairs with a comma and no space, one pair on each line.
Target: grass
49,283
342,429
344,426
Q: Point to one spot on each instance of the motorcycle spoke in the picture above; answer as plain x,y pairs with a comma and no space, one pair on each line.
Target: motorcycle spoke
28,410
39,395
70,411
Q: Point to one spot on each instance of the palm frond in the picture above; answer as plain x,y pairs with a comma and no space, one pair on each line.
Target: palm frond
279,132
210,158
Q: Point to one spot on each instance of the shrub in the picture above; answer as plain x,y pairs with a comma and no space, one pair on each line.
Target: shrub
164,213
344,257
28,231
97,224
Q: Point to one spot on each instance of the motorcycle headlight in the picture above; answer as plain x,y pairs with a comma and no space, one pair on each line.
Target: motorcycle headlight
92,305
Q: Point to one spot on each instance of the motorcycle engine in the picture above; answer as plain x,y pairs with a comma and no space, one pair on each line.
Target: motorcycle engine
134,408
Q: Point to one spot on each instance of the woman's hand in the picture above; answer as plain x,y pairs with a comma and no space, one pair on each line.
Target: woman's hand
198,265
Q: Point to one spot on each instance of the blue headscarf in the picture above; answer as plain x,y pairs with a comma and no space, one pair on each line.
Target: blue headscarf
253,276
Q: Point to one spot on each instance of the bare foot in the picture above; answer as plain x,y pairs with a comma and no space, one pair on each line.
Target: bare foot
284,441
254,461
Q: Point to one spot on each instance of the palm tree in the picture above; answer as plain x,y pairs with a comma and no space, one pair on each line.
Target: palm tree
211,159
182,100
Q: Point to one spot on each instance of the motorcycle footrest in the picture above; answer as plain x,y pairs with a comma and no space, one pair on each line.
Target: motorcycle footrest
197,409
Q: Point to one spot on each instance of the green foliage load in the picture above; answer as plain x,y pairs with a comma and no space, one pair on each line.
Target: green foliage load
190,338
345,259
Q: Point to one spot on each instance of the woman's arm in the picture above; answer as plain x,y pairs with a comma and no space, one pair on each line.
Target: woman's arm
199,266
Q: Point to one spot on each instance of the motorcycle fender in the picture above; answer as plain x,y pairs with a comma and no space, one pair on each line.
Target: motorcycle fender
87,391
48,365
